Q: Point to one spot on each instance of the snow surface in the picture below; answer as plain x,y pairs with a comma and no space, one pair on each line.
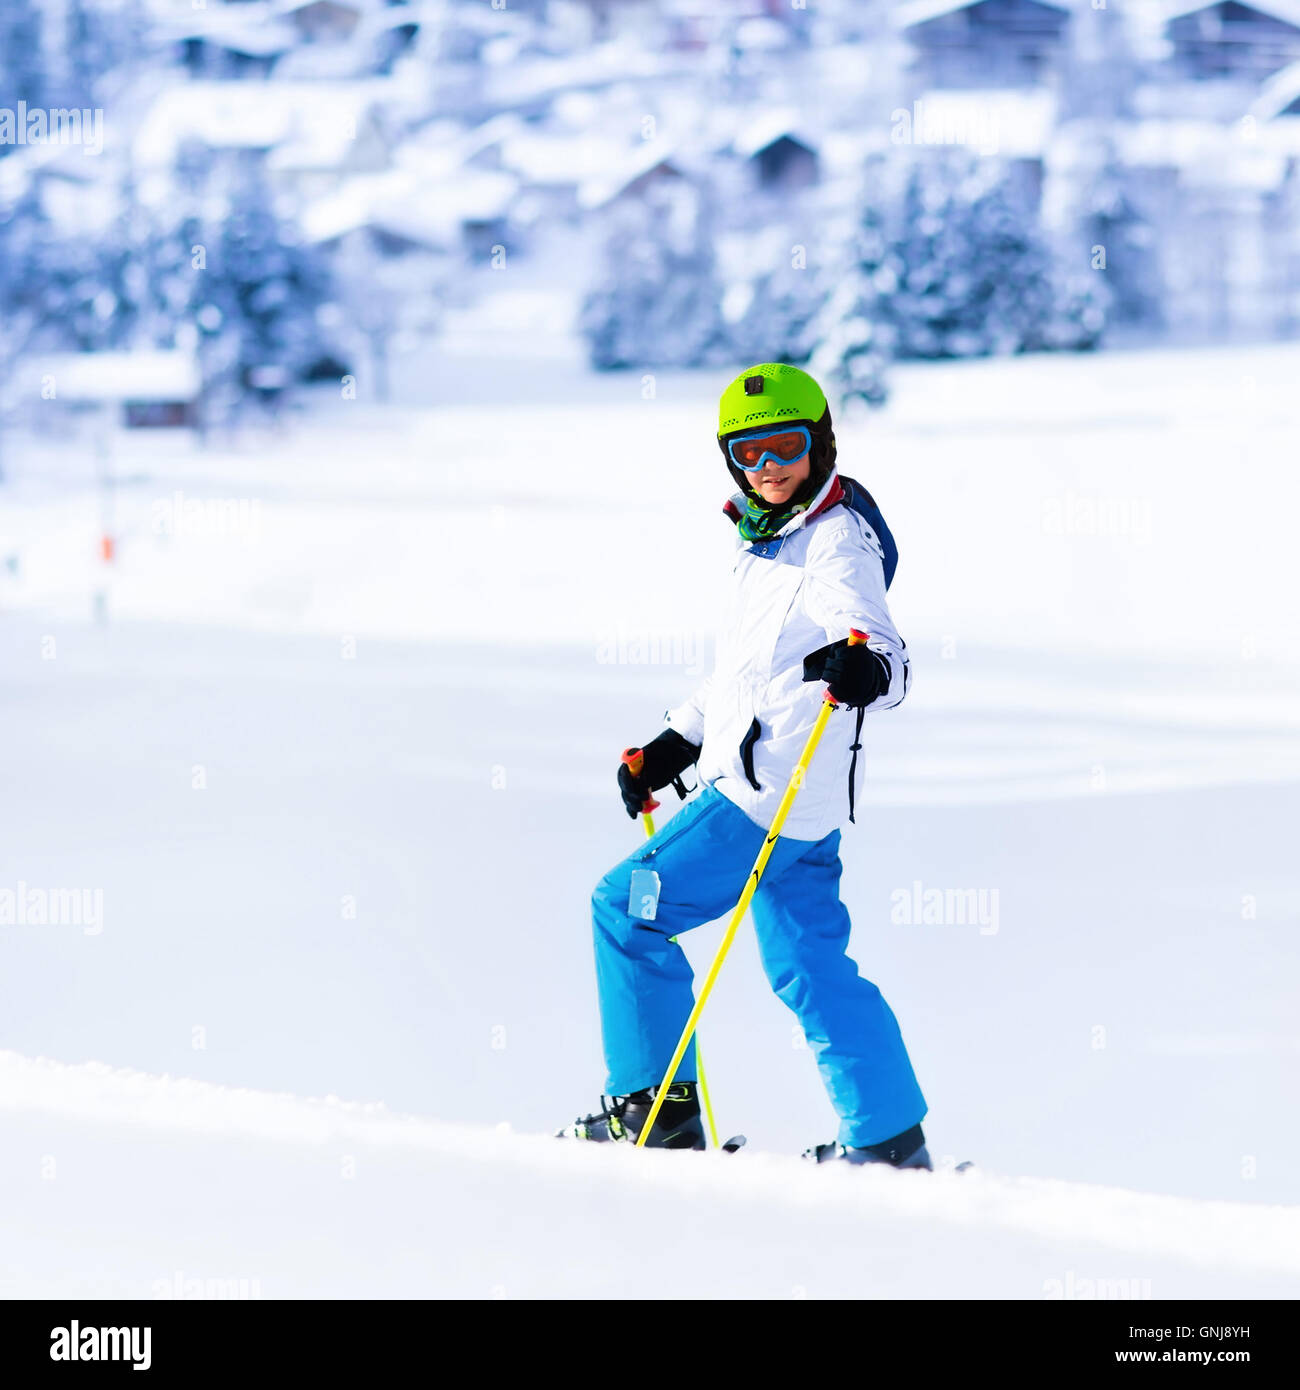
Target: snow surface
399,670
457,1210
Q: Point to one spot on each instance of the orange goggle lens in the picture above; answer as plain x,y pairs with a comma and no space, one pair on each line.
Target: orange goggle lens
787,447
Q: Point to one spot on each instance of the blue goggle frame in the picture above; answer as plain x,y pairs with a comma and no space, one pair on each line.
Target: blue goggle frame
764,433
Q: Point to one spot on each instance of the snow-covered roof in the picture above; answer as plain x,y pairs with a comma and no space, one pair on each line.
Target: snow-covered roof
598,191
920,11
440,149
505,126
528,80
1277,94
1288,11
761,33
1205,153
766,127
122,376
431,212
320,119
843,151
486,18
249,40
287,7
250,28
563,159
705,9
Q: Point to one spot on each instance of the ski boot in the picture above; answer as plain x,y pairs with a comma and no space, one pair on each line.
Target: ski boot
677,1126
906,1150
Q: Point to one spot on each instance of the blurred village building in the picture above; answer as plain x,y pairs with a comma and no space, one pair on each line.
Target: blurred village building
413,145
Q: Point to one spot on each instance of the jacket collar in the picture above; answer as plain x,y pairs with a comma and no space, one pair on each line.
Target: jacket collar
832,491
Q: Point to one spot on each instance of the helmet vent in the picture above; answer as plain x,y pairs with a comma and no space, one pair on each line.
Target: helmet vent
769,393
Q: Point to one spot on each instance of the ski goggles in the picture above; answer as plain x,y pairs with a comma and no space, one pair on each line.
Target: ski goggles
782,447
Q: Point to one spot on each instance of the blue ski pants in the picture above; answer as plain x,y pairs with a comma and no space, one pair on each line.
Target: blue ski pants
703,857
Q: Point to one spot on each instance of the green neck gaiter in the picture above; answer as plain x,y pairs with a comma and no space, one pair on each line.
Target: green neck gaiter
759,522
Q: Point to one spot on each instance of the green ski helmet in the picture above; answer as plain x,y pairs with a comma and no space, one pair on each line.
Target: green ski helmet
776,394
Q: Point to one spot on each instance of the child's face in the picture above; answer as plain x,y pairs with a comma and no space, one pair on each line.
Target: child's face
778,482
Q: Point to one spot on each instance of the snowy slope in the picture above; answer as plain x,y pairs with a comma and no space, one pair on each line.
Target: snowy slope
344,782
176,1185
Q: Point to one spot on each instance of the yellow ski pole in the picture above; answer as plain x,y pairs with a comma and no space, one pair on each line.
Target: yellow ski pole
634,759
856,638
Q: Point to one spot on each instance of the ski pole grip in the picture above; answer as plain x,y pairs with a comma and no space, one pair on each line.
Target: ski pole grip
856,639
634,760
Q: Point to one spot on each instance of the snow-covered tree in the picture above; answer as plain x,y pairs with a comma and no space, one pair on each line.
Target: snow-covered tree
101,46
23,65
256,295
20,297
59,289
973,273
779,319
853,341
658,301
385,291
1117,232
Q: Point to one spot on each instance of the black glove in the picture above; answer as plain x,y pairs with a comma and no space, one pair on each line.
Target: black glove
854,674
664,759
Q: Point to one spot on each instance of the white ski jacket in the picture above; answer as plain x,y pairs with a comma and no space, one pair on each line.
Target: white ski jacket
821,575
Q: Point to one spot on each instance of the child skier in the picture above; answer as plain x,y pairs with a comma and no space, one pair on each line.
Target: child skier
813,561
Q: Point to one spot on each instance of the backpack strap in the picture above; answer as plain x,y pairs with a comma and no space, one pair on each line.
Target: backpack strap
859,500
